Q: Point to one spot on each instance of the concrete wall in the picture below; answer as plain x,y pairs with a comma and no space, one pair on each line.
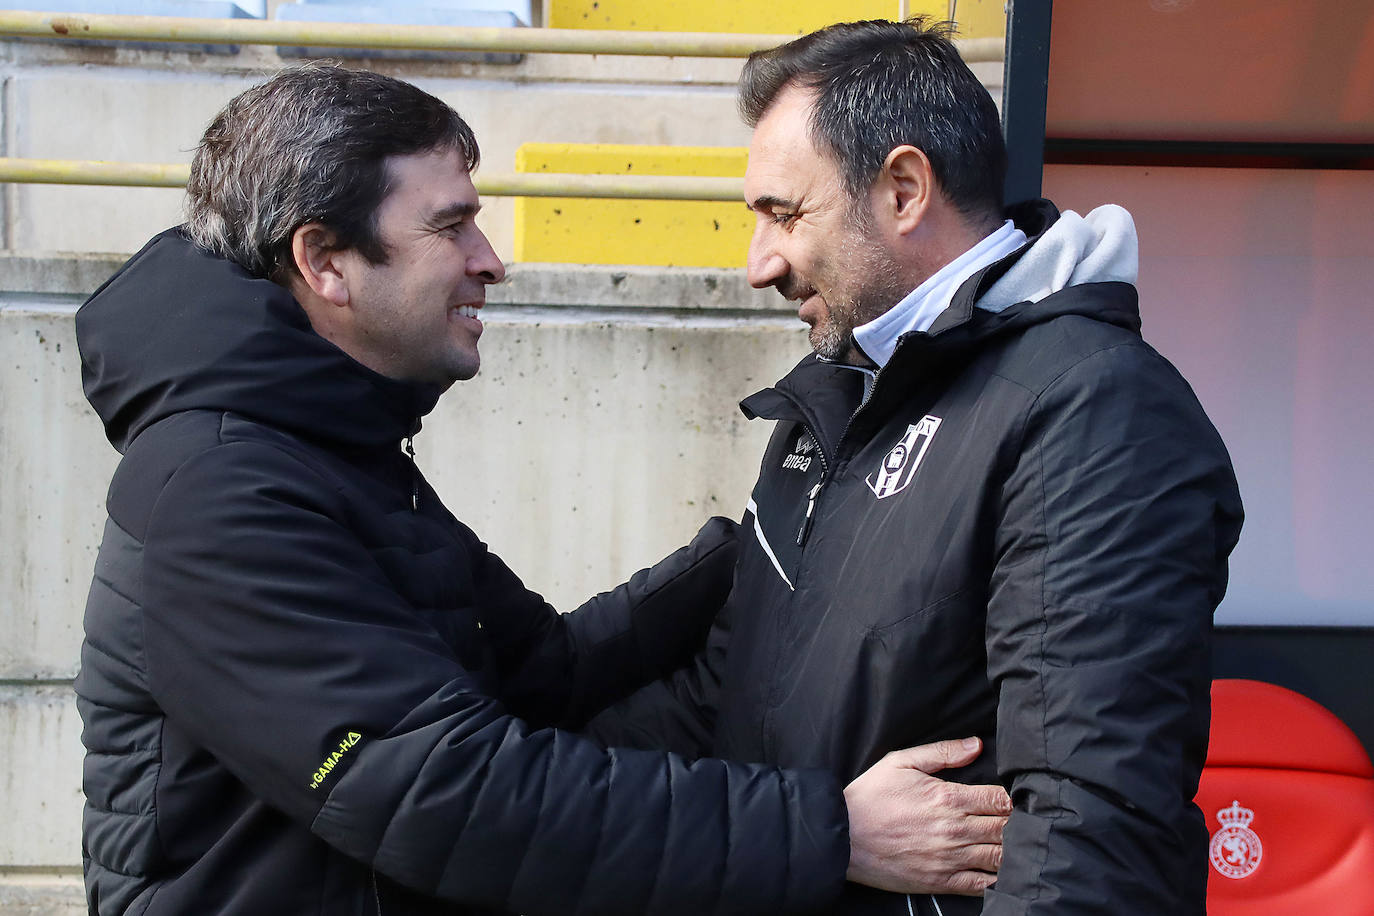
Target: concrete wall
600,434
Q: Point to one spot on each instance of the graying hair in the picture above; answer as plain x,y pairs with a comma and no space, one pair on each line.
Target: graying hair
310,145
880,85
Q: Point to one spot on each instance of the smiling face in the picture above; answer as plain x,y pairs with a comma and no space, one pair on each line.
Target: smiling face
811,241
414,317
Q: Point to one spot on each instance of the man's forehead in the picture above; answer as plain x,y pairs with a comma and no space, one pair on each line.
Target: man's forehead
785,164
786,125
436,182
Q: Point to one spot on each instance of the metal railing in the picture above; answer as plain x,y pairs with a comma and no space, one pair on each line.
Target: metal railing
506,184
76,26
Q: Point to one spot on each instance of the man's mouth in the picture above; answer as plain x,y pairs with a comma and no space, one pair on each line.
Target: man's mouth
806,305
469,311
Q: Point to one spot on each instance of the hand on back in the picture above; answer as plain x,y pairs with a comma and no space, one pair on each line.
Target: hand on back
911,832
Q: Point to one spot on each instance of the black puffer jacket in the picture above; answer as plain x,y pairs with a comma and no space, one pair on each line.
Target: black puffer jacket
307,688
1021,534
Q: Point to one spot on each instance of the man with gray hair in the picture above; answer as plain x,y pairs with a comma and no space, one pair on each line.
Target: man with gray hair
988,506
306,687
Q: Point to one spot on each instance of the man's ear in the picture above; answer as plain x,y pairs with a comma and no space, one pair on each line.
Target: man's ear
911,186
319,262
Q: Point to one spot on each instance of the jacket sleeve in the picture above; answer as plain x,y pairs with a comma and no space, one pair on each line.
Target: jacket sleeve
274,640
1117,520
676,713
562,669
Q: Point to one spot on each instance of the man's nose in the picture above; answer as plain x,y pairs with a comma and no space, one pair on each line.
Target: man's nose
484,263
765,265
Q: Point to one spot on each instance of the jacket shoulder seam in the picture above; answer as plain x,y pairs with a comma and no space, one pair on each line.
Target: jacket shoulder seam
1039,392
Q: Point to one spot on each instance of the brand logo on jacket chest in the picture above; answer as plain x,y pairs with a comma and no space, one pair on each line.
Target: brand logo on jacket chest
800,459
899,465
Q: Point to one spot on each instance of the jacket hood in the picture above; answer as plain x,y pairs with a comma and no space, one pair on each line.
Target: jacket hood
1064,255
177,329
1070,251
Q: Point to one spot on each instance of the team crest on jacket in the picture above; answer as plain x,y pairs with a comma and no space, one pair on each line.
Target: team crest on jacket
899,465
1236,850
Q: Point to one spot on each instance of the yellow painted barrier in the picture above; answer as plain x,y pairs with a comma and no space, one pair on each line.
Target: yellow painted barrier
686,234
976,18
981,19
795,17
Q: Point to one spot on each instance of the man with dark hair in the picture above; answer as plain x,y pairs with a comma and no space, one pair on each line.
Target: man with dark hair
264,167
988,507
306,687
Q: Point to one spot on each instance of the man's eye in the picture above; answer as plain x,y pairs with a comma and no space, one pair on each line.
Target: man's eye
453,230
784,219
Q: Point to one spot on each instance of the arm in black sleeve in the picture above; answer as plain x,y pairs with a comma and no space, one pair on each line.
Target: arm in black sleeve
1111,557
676,713
275,641
565,668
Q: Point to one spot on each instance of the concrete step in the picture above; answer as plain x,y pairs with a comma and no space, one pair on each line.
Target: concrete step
44,892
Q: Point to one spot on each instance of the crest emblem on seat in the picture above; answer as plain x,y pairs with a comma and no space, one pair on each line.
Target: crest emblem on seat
1236,850
899,465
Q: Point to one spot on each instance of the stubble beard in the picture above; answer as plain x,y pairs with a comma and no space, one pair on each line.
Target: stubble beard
876,288
830,337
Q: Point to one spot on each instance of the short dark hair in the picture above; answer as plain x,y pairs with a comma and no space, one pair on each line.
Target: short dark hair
880,85
310,145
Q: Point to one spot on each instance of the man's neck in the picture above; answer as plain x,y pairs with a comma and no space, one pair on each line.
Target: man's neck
877,339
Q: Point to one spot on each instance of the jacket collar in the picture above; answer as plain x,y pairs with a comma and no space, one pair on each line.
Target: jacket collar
826,395
177,328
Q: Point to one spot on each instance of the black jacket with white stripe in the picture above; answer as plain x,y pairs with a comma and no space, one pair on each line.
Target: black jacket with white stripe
1021,534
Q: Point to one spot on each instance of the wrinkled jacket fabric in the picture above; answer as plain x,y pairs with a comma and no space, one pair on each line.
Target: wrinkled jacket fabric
1021,534
307,688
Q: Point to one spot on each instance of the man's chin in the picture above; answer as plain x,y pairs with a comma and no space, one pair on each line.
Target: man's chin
827,342
465,373
464,364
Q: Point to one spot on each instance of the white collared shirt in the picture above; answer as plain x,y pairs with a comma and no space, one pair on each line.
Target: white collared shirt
920,308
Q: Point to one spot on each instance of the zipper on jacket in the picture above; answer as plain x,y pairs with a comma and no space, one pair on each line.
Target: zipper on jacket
376,892
820,452
815,491
868,396
810,510
409,447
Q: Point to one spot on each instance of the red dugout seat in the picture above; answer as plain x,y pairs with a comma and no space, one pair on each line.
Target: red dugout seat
1288,793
